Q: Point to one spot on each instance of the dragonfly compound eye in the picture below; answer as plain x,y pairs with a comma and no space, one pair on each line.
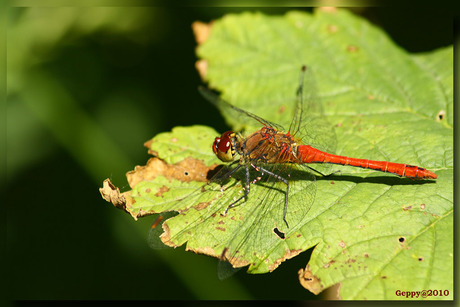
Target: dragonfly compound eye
223,147
215,145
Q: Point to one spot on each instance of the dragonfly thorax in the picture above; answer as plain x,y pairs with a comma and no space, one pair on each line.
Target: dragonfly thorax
224,146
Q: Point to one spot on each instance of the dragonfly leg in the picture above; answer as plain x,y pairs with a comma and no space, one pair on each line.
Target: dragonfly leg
230,173
287,190
246,190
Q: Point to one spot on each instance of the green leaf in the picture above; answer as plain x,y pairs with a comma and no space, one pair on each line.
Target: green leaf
387,105
373,233
183,143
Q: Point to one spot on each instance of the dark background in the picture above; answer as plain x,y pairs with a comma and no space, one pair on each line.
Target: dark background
80,106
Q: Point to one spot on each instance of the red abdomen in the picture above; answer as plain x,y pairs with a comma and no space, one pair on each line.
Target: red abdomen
308,154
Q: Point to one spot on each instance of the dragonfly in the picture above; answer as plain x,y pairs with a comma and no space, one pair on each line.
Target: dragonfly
270,145
277,164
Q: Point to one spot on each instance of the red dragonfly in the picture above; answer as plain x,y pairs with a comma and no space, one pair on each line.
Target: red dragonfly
269,150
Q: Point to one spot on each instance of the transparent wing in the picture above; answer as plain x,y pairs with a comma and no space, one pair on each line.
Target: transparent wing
309,124
260,241
156,230
236,113
251,233
192,209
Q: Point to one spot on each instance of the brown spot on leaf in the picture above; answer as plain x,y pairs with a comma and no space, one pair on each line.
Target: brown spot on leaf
310,281
352,49
329,263
422,206
366,255
342,244
161,190
201,31
202,67
201,206
186,171
332,28
383,277
281,109
350,260
407,208
220,228
420,258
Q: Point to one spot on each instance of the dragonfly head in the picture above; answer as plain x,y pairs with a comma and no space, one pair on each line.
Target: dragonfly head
223,146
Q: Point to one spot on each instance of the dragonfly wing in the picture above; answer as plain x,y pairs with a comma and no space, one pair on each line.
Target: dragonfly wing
192,203
236,113
318,133
260,241
309,124
156,230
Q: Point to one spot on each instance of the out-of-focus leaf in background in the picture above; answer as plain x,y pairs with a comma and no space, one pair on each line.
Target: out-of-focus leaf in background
43,94
82,98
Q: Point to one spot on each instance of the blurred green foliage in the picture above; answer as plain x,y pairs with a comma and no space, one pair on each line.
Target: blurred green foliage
86,88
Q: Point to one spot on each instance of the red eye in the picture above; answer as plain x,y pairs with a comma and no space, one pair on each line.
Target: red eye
215,145
222,147
225,141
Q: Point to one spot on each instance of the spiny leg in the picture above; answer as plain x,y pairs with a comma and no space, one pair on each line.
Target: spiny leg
230,173
287,190
246,190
